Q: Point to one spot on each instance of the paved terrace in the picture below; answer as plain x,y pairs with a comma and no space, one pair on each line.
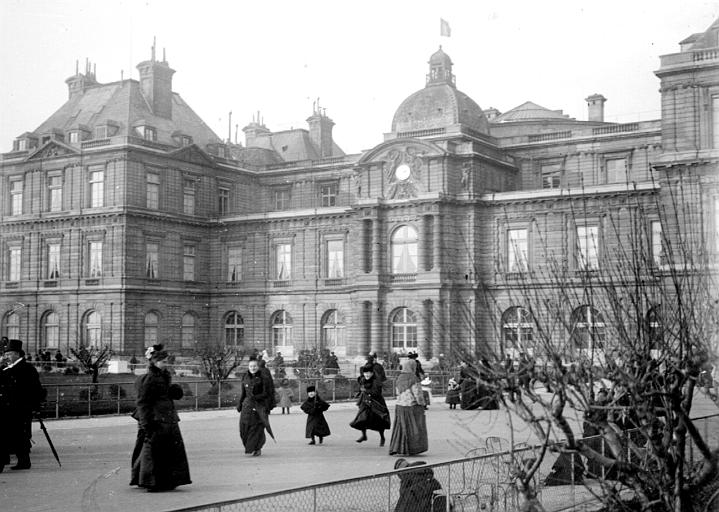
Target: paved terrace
95,455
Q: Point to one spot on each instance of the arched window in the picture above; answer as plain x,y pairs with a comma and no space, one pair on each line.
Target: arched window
404,250
152,322
188,331
588,329
281,328
12,326
517,328
333,330
234,330
50,329
92,330
404,329
655,335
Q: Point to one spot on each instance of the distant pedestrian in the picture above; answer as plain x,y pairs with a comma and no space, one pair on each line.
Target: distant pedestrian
159,461
452,394
253,408
285,396
419,371
21,395
315,407
373,413
409,433
426,391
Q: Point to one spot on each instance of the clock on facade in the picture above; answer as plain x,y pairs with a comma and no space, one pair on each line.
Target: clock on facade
402,172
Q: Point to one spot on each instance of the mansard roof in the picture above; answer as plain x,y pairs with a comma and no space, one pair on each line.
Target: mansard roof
530,111
123,104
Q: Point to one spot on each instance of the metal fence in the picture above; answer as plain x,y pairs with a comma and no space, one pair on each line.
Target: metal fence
87,399
474,483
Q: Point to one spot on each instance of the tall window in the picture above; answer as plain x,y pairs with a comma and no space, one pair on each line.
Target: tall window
654,328
152,322
335,258
51,330
12,324
188,331
328,194
53,261
517,328
282,198
97,189
588,329
54,187
188,197
223,199
95,250
153,190
152,251
517,250
404,250
404,329
234,330
658,255
333,330
14,264
16,187
188,263
551,175
281,329
587,247
92,329
283,261
234,264
616,170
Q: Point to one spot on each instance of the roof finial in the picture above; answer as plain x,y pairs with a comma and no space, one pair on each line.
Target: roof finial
77,67
153,48
164,58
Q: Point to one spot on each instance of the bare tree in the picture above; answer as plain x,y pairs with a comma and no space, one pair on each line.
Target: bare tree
219,361
92,359
610,343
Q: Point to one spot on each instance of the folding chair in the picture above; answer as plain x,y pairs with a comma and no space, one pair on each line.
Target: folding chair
472,474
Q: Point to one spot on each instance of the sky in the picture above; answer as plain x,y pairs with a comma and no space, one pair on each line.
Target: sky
361,59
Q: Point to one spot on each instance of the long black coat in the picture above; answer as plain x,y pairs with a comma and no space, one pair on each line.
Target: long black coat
20,395
256,397
316,422
159,460
373,413
416,490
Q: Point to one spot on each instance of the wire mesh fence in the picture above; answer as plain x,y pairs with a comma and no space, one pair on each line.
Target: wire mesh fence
480,481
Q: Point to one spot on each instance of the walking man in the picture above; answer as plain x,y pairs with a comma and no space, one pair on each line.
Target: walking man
20,397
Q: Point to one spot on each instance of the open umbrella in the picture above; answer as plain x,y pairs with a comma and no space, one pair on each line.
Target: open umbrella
49,441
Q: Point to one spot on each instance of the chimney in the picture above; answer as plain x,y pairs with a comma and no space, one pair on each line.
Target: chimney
79,83
254,130
595,107
321,130
156,83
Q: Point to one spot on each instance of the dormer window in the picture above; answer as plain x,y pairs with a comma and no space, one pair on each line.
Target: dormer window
101,132
186,140
106,130
147,133
181,139
75,137
24,143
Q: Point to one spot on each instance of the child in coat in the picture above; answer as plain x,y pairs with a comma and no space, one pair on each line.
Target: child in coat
452,394
315,407
285,396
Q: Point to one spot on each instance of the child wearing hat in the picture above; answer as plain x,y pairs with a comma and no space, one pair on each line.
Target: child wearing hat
452,394
315,407
285,396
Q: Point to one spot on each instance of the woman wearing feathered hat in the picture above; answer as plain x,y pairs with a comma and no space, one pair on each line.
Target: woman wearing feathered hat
409,434
159,461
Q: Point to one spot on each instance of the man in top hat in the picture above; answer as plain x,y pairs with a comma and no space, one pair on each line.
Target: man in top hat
20,396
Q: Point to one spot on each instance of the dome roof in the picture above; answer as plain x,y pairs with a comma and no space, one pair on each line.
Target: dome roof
437,106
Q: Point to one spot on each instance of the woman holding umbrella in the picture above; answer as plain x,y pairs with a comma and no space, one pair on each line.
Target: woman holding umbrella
253,408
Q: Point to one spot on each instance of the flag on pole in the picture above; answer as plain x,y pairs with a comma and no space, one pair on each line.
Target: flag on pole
444,29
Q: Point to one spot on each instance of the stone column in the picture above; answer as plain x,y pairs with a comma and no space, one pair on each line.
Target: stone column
426,339
378,335
437,253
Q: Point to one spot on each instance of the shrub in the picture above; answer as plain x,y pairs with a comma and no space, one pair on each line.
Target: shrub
115,388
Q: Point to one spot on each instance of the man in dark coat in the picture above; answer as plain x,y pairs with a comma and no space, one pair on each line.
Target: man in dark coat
377,368
20,397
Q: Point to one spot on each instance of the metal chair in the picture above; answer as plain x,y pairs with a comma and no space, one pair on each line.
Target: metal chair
473,472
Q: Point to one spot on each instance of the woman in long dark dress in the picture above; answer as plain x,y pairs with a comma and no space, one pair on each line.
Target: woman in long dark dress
159,461
409,433
253,407
373,413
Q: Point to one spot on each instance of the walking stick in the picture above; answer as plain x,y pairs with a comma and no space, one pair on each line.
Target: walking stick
49,441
